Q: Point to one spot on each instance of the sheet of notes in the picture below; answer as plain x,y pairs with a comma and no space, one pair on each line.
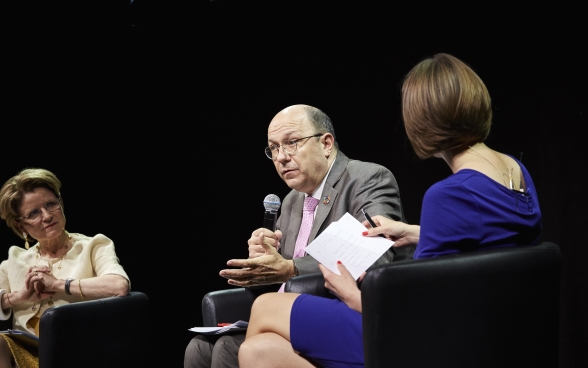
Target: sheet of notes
343,241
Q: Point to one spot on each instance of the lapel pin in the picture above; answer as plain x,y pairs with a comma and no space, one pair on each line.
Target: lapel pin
326,199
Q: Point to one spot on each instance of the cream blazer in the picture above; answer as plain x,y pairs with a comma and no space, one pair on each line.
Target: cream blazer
88,257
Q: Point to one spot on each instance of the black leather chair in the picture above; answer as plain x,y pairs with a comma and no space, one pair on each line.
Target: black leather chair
109,332
487,308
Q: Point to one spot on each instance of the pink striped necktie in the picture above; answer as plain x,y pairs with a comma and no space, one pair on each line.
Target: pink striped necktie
310,204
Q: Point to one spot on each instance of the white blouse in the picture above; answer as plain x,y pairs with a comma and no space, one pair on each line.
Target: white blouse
88,257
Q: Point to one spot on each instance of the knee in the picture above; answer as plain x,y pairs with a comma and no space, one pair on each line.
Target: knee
249,351
198,344
262,350
225,352
198,352
271,313
261,306
262,300
227,343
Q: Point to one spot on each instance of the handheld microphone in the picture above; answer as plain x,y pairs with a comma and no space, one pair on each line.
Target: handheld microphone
271,203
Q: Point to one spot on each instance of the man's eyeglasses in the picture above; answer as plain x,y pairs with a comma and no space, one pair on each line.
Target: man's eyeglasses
34,216
289,146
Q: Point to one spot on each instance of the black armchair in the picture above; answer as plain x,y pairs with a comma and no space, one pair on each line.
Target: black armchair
488,308
110,332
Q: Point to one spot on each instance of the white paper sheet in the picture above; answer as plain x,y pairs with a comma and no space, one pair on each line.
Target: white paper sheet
239,325
343,241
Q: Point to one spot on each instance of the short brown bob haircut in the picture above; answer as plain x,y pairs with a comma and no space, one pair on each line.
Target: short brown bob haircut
445,105
25,181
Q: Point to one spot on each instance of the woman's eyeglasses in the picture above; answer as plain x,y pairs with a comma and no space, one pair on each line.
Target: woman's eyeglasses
35,215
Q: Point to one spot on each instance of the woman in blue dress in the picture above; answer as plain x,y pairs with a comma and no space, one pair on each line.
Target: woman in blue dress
489,201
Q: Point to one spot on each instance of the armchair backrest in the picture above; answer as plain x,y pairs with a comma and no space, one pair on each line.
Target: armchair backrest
488,308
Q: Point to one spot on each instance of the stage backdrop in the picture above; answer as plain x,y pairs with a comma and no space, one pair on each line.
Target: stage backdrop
158,135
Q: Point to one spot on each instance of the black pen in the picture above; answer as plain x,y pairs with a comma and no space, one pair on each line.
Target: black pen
369,219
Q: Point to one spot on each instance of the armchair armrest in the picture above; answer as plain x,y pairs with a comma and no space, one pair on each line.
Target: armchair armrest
230,305
109,332
313,284
226,306
5,325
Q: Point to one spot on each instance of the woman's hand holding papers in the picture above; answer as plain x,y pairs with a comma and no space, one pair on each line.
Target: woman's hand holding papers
344,287
401,233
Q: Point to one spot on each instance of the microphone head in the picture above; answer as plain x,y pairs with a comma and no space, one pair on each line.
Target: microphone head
272,203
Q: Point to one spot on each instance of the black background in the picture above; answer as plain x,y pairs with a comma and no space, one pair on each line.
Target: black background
156,121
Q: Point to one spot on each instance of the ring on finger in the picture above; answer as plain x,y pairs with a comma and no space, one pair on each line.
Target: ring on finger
36,273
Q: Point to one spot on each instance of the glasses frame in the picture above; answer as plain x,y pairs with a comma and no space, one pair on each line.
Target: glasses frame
44,207
268,150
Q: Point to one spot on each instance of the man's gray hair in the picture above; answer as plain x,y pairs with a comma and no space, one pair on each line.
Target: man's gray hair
321,122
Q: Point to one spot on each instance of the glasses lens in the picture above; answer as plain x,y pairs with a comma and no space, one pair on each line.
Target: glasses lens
35,215
52,206
268,153
289,146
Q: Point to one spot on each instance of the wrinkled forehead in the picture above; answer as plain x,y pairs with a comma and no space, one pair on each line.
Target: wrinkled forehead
287,123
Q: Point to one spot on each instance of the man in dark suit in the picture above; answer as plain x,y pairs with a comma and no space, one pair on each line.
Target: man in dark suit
306,155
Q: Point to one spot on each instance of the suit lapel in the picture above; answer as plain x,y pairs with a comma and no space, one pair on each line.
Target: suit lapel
324,208
329,195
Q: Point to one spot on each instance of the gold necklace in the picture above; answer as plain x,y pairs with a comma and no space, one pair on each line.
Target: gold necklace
37,256
510,181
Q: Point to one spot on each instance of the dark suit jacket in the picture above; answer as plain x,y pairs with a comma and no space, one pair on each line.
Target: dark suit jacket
350,186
